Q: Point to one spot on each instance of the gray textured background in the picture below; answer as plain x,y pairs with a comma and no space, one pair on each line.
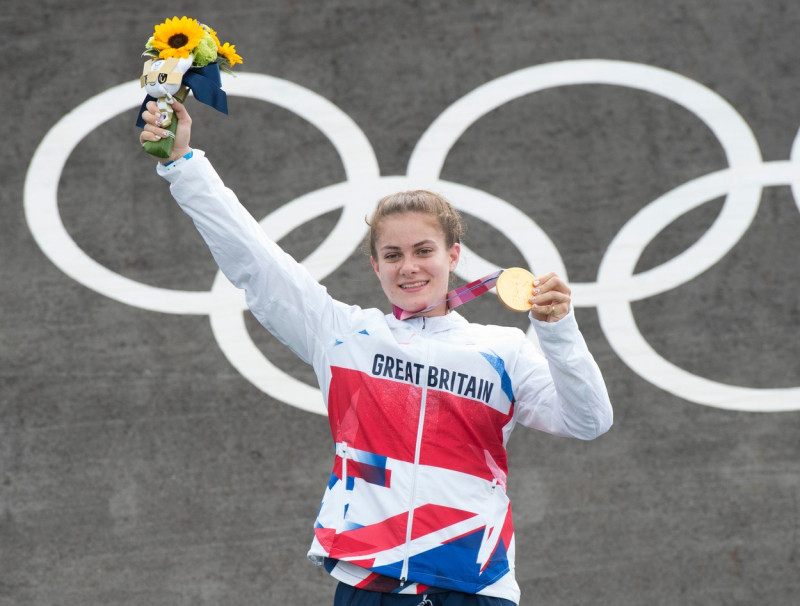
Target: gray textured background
138,467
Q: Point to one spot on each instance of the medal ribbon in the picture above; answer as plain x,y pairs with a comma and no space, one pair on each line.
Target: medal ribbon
456,297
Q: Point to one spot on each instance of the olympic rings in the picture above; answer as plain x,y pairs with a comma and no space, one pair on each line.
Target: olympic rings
741,183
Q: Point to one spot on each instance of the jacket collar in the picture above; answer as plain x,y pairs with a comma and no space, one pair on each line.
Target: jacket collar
429,325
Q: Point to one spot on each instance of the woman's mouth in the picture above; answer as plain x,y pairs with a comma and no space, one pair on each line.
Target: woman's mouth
413,285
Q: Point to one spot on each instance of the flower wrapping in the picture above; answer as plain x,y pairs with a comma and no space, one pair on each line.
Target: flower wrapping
184,55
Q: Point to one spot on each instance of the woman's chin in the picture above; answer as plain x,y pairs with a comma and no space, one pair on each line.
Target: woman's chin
412,303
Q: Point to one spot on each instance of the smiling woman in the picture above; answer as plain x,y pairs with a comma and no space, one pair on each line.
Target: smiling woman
420,403
415,244
413,261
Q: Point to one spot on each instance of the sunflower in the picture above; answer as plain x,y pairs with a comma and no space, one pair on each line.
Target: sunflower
177,37
228,52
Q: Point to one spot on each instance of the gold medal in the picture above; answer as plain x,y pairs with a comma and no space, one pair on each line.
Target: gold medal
514,288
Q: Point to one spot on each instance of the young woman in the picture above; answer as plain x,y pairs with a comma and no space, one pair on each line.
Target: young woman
420,409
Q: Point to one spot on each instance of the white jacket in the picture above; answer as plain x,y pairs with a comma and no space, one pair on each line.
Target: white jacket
420,410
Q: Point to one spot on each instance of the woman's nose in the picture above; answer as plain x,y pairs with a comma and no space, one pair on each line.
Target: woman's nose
408,265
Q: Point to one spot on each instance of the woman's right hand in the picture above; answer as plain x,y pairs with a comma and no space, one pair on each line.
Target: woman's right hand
153,131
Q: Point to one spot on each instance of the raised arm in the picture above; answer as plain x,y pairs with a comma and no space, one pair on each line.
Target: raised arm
566,395
280,292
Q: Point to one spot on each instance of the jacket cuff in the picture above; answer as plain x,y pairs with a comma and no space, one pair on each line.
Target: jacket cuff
164,170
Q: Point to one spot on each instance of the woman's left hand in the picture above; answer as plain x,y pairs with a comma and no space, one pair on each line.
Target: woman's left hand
551,298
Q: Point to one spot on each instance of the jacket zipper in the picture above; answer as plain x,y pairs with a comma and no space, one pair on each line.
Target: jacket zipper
417,448
344,481
344,462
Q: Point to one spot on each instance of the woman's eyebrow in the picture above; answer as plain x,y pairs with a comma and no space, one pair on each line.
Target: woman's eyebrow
417,245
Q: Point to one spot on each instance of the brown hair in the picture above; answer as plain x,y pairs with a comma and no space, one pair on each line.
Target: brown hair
416,201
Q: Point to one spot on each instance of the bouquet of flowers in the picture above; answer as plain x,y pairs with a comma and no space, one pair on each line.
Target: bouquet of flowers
184,55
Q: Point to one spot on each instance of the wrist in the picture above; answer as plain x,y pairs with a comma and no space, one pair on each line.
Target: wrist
177,154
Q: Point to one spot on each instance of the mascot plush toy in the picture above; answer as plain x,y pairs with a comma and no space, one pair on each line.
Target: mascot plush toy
184,55
162,79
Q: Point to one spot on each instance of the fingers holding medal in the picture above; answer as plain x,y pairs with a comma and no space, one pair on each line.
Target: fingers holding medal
546,297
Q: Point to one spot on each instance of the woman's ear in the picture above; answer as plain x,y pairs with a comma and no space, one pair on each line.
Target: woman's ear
374,264
455,254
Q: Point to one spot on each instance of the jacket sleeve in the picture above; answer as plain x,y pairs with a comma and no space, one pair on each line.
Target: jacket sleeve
280,292
565,395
